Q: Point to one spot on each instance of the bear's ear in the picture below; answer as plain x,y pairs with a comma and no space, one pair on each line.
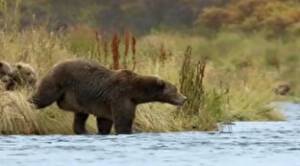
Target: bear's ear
1,64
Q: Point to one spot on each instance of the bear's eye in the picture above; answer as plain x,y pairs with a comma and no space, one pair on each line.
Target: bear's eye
161,84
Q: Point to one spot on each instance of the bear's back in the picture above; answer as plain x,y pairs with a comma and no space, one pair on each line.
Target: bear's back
86,80
79,71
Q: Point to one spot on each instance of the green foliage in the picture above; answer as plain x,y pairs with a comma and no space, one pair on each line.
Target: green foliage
229,76
207,105
275,16
237,83
140,16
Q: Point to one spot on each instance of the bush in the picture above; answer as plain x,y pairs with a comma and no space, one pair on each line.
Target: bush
252,15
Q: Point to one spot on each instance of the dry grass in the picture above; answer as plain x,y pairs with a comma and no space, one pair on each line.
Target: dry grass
227,90
16,116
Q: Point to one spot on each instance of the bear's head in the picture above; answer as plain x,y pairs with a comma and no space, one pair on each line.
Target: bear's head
8,82
24,73
5,69
168,93
143,89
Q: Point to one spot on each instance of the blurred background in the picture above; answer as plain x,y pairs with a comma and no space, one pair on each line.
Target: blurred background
144,16
232,58
140,16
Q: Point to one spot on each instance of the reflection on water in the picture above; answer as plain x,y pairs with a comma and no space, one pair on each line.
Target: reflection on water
248,143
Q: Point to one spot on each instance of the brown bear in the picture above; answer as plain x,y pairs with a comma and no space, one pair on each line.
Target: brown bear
5,75
5,68
282,88
17,75
24,75
85,88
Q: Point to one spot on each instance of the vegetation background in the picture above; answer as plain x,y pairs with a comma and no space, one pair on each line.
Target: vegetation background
227,56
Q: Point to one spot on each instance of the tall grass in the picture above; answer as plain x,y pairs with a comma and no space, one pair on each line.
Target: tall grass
227,78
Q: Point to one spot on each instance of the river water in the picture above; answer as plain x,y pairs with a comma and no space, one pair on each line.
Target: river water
244,143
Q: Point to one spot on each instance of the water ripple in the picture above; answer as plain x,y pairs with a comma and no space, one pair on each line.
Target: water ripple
247,143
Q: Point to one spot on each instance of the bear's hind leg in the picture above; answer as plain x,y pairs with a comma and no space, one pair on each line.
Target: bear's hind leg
79,123
104,125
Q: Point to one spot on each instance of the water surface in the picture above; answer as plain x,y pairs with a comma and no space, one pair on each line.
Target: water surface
245,143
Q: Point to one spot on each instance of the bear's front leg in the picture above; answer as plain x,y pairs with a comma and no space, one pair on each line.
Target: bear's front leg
79,123
123,125
104,125
123,116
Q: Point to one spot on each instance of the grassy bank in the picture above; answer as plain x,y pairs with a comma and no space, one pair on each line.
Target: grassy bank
226,78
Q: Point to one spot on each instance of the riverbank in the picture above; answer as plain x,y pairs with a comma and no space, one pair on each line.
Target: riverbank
238,77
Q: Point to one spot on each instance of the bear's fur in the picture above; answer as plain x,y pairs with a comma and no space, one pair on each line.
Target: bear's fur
5,68
87,88
5,75
17,75
282,88
24,74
